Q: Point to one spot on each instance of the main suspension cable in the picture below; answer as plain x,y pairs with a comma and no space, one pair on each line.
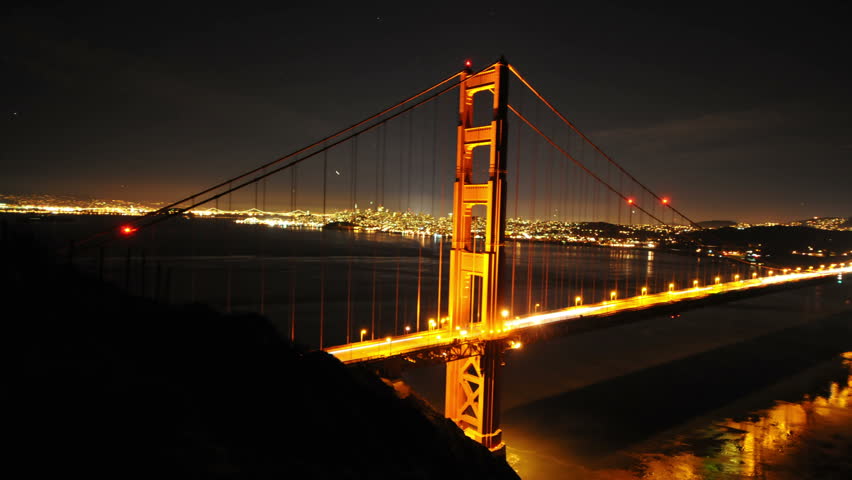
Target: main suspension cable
167,212
577,162
313,145
593,145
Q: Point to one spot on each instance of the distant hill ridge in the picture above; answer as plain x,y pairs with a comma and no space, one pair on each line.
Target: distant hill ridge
776,239
716,223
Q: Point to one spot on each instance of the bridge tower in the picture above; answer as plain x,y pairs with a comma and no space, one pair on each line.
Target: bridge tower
472,393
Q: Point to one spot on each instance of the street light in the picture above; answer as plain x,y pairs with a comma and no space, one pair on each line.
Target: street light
736,277
536,306
363,332
644,291
695,284
407,329
671,287
612,295
578,301
717,280
432,324
504,313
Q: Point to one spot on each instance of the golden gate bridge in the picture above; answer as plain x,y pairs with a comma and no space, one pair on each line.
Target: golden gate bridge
500,290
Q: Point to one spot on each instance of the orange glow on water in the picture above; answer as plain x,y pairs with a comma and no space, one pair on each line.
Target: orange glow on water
766,442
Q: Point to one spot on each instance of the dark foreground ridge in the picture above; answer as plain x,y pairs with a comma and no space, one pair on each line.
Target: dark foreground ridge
105,385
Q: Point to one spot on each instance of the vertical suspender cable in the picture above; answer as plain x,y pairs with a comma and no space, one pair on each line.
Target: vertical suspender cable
515,250
396,301
419,278
322,299
373,306
376,164
440,276
324,183
434,161
354,183
409,161
348,300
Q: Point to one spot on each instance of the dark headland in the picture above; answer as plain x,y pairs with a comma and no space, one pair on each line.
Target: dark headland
101,384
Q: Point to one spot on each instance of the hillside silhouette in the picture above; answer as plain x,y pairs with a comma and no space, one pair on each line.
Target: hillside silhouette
115,386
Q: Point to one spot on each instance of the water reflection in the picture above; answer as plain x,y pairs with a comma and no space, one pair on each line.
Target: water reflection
754,447
353,279
786,441
649,266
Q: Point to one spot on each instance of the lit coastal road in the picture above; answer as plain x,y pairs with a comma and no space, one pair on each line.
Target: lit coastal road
390,346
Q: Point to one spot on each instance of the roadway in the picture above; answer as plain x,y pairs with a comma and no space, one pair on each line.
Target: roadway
434,337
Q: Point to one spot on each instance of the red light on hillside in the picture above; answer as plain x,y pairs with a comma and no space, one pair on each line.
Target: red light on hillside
128,230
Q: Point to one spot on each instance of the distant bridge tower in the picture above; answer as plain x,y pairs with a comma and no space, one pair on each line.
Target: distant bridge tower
472,393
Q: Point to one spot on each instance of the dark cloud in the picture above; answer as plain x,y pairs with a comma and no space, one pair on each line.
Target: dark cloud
114,95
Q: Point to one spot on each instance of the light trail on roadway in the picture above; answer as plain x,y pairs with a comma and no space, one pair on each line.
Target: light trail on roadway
435,337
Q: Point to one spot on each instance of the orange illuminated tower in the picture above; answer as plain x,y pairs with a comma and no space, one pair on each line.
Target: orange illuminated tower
472,392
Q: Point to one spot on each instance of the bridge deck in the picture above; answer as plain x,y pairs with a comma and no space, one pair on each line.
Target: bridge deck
425,340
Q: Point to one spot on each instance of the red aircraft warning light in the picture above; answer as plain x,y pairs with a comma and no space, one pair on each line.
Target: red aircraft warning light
128,230
630,201
665,201
468,63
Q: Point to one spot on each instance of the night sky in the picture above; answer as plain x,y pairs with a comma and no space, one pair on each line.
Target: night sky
736,114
